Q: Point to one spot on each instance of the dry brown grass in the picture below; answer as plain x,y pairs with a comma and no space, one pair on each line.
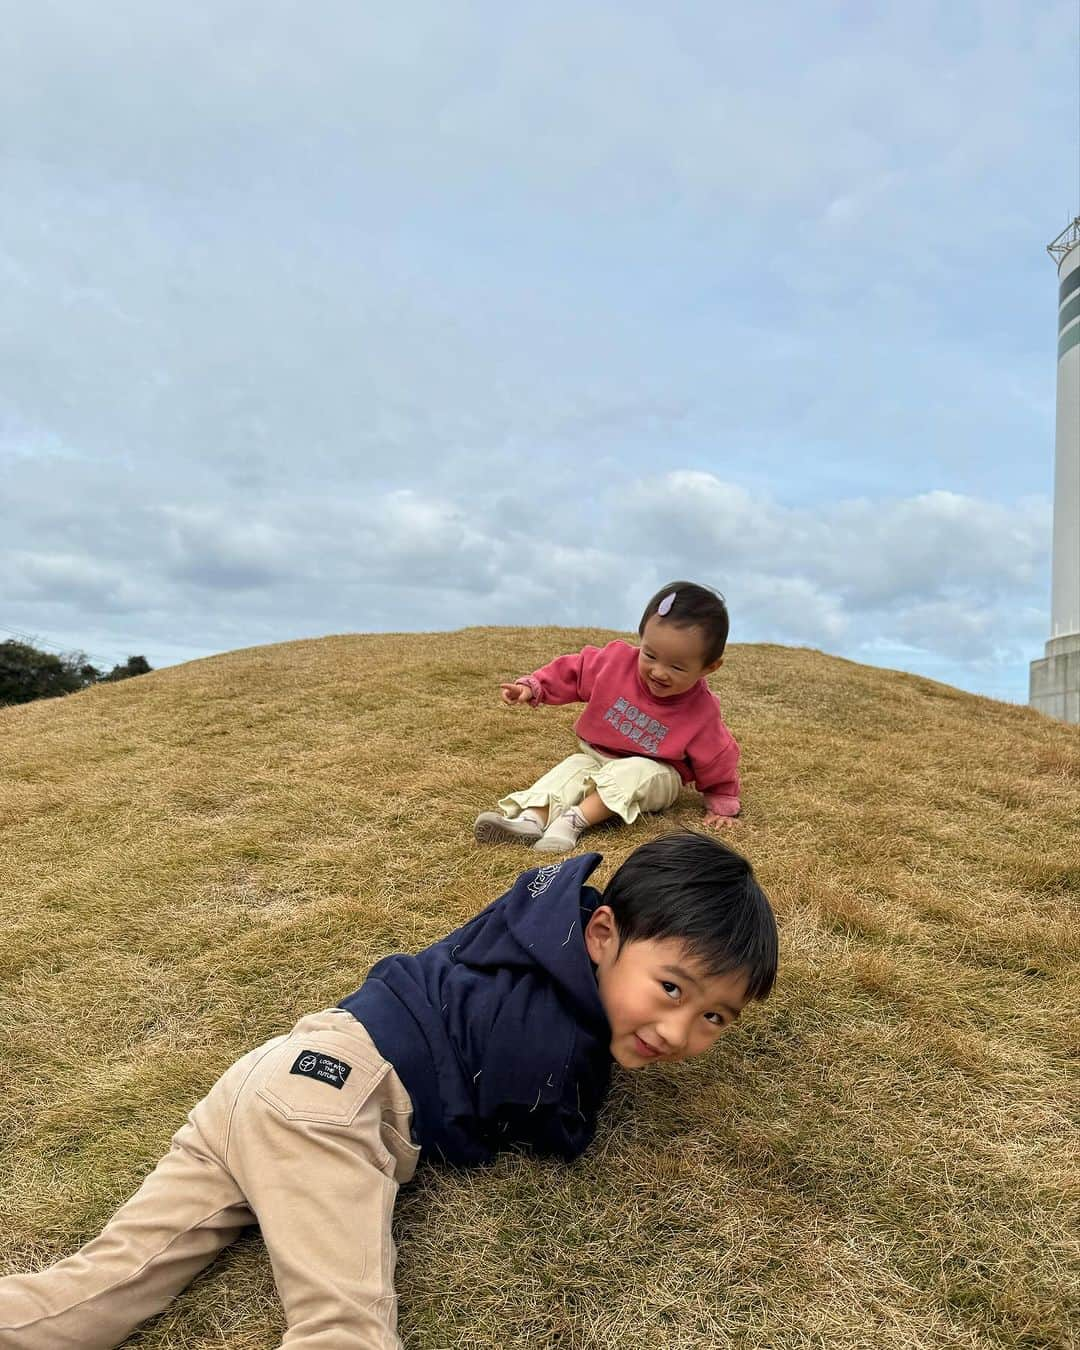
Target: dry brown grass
882,1156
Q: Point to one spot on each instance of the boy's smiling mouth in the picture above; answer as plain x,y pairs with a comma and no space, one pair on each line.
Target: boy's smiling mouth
644,1049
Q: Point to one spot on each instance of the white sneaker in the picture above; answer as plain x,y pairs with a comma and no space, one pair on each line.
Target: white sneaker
493,828
554,843
563,833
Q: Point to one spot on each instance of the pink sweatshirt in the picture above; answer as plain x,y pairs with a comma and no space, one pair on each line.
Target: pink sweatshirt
622,717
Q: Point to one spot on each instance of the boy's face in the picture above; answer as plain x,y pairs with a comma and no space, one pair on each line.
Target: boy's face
660,1002
672,659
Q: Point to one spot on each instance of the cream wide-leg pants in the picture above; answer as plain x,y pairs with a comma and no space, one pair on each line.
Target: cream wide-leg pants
309,1137
627,786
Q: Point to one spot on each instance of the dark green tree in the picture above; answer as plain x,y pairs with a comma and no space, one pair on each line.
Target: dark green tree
27,673
134,665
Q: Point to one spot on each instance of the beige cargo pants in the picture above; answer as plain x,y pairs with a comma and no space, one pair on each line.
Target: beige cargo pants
309,1137
627,785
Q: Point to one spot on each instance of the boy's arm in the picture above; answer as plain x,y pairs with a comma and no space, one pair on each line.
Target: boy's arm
567,679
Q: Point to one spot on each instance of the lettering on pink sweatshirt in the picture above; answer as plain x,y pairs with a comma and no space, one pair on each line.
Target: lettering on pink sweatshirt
622,717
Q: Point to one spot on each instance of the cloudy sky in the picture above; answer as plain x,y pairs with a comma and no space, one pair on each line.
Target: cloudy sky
343,318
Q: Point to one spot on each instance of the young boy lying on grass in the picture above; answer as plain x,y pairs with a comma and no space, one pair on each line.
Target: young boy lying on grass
501,1035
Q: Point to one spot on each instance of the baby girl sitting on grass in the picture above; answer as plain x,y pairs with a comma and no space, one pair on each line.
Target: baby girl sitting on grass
650,724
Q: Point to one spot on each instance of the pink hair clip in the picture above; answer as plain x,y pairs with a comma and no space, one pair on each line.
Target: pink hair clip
664,607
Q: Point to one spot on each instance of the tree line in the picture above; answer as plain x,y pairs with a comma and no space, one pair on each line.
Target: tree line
26,673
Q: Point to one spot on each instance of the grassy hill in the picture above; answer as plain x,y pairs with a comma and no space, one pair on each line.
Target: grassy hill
882,1155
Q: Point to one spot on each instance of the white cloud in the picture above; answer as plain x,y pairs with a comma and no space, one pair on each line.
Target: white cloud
868,552
941,572
217,550
84,582
938,574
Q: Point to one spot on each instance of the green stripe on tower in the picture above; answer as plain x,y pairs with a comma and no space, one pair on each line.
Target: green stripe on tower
1069,341
1070,284
1071,310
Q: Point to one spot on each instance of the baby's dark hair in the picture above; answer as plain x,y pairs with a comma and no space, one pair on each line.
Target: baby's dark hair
694,888
694,606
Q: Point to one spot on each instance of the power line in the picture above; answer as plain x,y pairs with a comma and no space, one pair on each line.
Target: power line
32,640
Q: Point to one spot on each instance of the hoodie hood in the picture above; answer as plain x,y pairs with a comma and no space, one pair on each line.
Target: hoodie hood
540,922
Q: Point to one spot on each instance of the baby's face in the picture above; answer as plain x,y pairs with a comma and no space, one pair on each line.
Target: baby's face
661,1004
672,659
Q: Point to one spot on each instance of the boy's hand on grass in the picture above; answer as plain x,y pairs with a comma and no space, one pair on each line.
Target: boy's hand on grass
715,822
515,693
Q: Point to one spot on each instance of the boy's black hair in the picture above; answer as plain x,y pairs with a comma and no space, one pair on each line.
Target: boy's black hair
694,606
694,888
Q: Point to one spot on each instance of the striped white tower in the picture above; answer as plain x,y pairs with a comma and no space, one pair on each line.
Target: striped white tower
1055,680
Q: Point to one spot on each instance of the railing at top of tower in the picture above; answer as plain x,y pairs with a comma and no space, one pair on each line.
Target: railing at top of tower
1066,240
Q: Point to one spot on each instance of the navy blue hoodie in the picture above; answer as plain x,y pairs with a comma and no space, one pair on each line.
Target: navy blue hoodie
497,1032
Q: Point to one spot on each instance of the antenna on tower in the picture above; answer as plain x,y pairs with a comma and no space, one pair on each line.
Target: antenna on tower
1066,240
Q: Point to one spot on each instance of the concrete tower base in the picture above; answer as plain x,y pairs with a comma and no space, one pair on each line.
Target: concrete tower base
1055,680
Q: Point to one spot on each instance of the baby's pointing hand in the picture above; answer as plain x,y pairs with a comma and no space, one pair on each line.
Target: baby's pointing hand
515,693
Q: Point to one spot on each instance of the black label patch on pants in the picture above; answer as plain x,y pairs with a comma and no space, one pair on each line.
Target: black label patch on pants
323,1068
